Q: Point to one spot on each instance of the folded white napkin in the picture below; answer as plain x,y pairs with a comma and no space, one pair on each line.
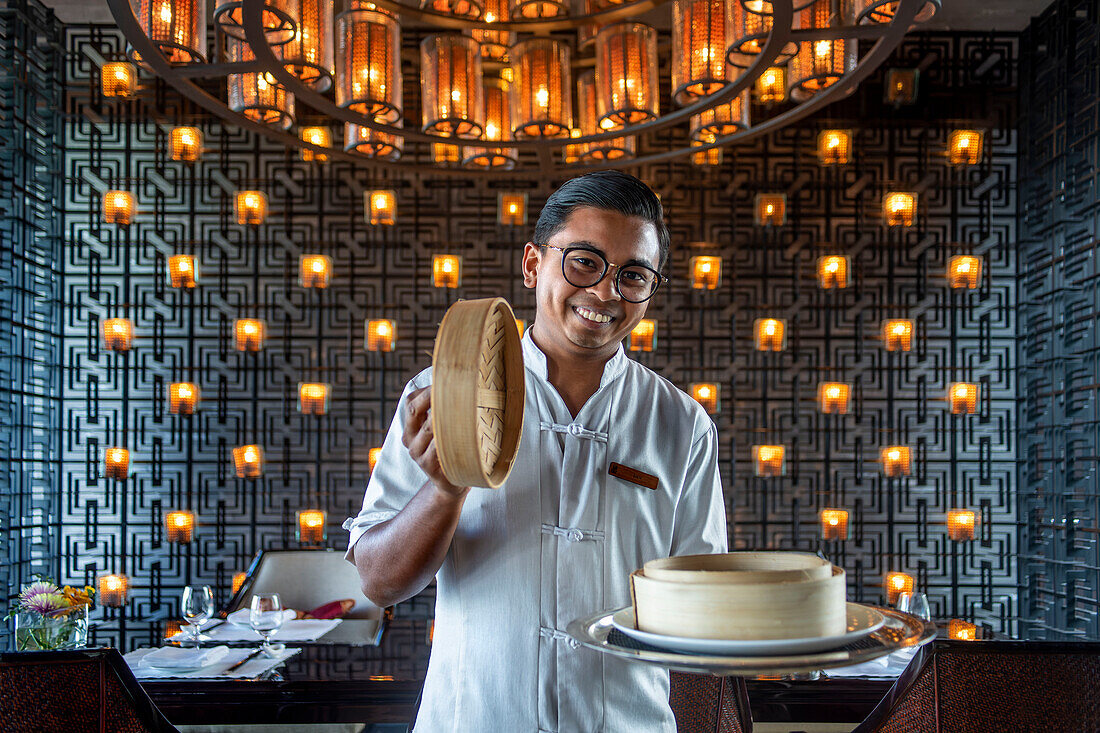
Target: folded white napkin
251,668
240,616
171,657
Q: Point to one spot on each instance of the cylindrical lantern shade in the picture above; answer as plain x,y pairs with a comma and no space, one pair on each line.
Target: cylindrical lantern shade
311,526
319,136
446,271
118,207
118,334
183,398
116,463
896,584
961,630
450,86
248,461
771,209
820,64
964,271
706,272
542,101
381,207
834,398
313,398
381,333
896,461
771,86
314,271
250,207
249,334
899,208
183,271
961,524
176,27
700,36
460,8
643,337
964,147
494,44
897,334
770,334
185,144
112,590
721,120
707,394
963,397
834,147
256,94
534,9
179,527
498,126
118,79
278,22
512,209
834,524
883,11
372,143
833,271
769,461
590,124
308,54
749,31
368,62
626,73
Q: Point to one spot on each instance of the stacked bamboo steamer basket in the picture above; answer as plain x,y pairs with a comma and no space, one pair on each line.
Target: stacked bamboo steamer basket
741,595
477,392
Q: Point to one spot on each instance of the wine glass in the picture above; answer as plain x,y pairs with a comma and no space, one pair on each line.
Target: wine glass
915,604
197,606
265,616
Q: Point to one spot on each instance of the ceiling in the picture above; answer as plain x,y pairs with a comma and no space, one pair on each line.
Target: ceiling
956,15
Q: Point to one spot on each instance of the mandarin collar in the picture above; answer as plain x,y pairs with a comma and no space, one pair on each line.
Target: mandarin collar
535,360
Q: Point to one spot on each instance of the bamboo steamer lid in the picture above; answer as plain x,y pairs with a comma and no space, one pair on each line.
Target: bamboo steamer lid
477,392
741,595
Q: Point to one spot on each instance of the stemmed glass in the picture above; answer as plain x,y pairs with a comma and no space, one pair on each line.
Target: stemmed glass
265,617
197,606
915,604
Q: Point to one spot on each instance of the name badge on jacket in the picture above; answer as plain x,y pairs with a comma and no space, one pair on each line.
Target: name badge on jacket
633,475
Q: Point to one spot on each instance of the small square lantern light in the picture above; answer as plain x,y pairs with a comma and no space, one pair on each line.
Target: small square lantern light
770,334
965,147
446,271
319,136
834,147
834,398
901,86
771,86
118,79
118,334
896,584
251,208
896,461
314,271
706,272
964,271
963,397
116,463
185,144
381,334
446,155
769,460
709,158
238,580
381,207
112,590
961,630
183,398
512,209
834,524
248,461
643,337
249,334
897,334
313,398
771,209
833,271
899,208
118,207
311,526
706,394
372,457
179,527
183,271
961,524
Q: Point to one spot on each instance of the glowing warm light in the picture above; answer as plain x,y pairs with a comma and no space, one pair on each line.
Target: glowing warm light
643,337
834,398
179,526
257,94
521,326
319,136
314,271
118,207
249,334
313,398
183,398
771,86
451,92
833,271
964,271
769,460
834,524
183,271
381,208
897,583
381,334
834,147
701,33
116,464
248,460
963,397
311,526
770,334
706,272
897,334
512,209
706,394
771,209
177,29
895,461
961,524
251,207
118,79
368,62
961,630
965,147
899,209
113,590
118,334
900,86
708,158
277,20
185,144
372,457
446,271
238,580
495,44
542,96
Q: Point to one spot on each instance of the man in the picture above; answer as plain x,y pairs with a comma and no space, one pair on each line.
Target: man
560,538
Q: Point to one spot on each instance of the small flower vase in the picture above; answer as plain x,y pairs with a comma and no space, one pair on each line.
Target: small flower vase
35,632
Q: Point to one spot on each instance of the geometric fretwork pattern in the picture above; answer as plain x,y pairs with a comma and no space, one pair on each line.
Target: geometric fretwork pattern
703,336
1059,351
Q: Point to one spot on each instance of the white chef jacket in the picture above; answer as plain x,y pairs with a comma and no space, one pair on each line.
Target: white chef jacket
558,541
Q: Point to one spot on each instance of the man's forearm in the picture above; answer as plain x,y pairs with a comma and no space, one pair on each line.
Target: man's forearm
398,558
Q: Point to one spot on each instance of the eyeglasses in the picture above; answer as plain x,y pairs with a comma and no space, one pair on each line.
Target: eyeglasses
583,268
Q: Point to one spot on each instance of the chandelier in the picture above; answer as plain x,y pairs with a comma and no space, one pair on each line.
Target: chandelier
515,87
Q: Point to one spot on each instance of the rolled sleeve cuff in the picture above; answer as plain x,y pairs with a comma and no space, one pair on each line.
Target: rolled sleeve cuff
357,527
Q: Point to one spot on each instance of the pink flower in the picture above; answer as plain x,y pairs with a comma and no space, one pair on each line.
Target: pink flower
45,603
35,589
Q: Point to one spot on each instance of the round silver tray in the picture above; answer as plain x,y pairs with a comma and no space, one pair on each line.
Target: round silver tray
900,631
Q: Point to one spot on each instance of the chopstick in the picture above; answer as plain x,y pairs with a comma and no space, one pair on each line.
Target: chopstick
238,664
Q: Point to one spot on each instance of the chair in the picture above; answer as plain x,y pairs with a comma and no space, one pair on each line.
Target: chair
978,687
89,690
304,580
706,704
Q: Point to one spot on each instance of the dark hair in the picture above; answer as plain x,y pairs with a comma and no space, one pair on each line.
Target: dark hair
609,190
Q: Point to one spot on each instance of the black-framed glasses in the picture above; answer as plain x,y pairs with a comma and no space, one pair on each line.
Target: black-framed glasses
583,267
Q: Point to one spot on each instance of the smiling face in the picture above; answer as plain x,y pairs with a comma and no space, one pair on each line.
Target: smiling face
588,323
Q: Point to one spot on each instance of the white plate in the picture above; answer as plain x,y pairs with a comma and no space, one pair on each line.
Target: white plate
862,621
